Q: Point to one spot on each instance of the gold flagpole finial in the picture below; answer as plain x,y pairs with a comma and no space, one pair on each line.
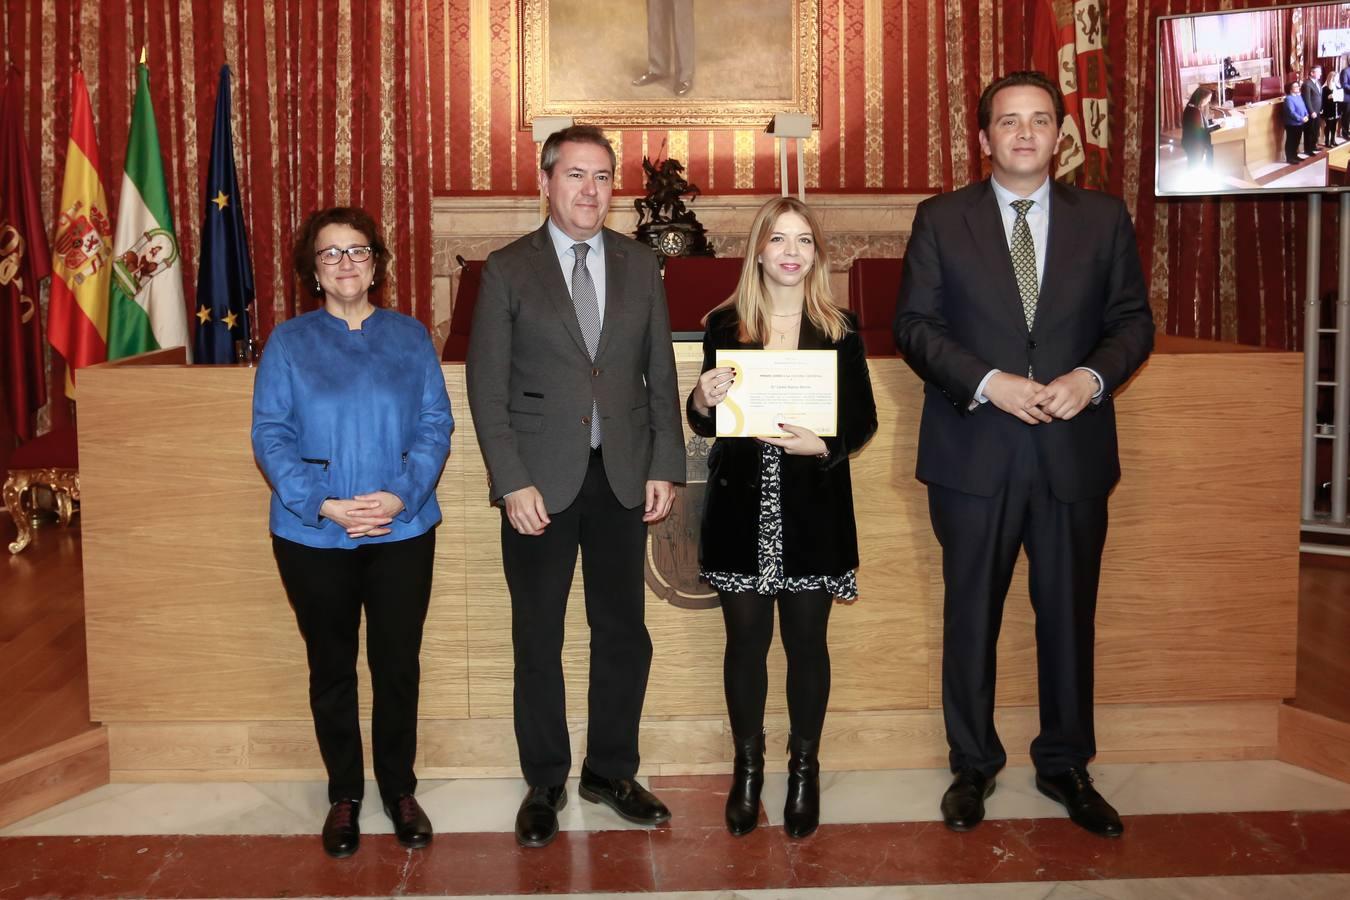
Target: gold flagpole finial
142,54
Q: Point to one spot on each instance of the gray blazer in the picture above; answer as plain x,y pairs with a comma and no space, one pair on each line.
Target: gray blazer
531,381
1312,96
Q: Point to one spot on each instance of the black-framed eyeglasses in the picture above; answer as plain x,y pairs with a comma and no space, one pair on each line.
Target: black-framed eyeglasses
331,256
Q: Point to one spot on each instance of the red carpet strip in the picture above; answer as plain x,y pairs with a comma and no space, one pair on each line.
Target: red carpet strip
702,857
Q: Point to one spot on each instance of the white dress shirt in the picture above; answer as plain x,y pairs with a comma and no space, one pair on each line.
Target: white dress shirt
1038,221
595,260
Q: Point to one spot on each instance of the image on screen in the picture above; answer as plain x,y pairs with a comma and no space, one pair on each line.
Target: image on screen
1254,101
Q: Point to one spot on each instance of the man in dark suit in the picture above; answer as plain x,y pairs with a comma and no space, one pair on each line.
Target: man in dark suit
571,380
1312,99
1022,308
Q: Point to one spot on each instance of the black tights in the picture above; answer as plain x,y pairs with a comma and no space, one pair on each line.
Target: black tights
803,618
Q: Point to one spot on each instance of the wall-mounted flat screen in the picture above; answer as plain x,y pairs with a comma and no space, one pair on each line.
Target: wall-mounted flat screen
1256,101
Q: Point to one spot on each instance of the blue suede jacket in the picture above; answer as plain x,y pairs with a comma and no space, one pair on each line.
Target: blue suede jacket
338,413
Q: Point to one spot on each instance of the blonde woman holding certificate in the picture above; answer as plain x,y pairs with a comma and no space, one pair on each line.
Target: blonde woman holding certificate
778,520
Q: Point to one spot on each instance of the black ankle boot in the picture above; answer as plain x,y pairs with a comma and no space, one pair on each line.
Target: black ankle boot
747,780
801,812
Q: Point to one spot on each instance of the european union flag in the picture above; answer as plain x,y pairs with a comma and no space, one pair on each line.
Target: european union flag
225,273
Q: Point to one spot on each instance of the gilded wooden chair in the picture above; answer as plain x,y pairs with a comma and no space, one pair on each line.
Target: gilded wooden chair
50,461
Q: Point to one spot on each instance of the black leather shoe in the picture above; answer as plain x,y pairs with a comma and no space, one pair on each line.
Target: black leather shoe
963,803
1087,808
342,830
537,820
747,783
625,796
647,78
683,88
801,811
411,825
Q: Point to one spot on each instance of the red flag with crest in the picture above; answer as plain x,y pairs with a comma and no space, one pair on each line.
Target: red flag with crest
1066,40
25,260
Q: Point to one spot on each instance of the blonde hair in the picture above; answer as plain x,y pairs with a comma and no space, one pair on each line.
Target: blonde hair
751,300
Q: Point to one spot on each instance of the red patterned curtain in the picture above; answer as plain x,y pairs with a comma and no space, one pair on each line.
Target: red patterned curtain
386,103
331,107
1226,269
1273,29
327,112
1169,65
1315,19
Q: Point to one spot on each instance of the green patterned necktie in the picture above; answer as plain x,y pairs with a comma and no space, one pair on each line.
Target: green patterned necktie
1024,260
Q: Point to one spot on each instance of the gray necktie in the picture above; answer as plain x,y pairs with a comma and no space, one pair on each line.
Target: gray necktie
1024,260
587,307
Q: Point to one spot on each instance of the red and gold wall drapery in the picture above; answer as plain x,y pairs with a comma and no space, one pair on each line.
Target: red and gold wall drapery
1226,269
387,103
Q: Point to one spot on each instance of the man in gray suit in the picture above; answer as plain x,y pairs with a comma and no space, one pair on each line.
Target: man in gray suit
571,381
670,22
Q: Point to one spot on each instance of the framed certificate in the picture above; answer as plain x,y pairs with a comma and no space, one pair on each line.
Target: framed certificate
799,387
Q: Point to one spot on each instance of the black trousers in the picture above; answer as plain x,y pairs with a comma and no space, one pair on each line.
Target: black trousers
1292,135
1311,130
539,571
980,538
803,620
328,589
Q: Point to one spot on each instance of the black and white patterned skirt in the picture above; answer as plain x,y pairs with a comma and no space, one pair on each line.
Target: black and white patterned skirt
771,580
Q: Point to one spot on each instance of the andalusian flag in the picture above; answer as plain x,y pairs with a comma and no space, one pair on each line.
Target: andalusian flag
77,321
146,308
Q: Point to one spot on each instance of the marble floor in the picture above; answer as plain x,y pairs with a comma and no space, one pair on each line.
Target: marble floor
1259,829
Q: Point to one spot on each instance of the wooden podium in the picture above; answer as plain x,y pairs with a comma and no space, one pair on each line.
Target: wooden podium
198,671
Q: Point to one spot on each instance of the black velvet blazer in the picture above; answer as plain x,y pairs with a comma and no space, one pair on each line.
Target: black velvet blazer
819,535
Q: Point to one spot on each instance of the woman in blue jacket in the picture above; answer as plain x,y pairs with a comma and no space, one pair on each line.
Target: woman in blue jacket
351,427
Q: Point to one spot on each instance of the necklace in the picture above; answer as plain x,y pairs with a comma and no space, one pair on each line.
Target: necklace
787,315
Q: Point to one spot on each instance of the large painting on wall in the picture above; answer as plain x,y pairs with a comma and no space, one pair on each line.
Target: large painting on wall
680,63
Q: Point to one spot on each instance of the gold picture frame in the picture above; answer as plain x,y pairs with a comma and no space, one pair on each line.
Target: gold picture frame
751,59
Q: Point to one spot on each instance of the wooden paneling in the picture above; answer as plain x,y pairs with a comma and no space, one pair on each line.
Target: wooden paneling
48,776
44,685
1324,636
1315,742
193,648
1198,595
182,593
914,738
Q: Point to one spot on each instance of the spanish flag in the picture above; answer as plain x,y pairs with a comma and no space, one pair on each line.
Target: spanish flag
81,246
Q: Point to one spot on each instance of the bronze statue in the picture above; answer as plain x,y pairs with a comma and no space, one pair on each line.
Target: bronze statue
664,221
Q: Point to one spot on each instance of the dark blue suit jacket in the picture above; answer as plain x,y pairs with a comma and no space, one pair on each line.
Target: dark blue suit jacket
960,315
